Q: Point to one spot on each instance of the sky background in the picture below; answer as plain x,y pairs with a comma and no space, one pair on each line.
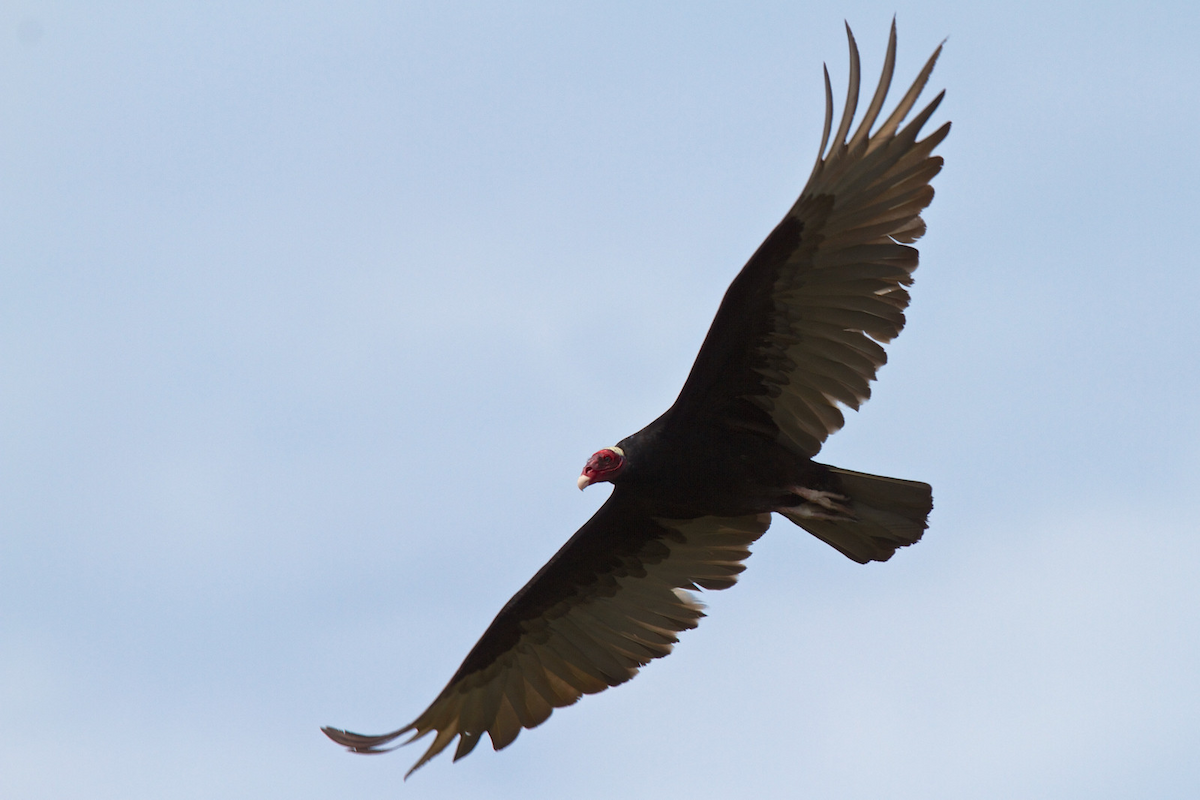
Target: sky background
310,314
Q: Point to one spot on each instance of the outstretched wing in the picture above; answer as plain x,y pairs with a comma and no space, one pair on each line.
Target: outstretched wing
613,598
798,331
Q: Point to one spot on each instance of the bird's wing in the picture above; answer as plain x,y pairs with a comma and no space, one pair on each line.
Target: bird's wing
613,598
798,331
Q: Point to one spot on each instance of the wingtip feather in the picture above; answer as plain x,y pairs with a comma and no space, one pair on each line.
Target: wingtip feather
365,744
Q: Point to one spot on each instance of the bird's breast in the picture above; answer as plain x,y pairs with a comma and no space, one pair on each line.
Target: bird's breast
718,472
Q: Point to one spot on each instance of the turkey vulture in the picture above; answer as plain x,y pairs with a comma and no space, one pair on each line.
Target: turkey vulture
796,335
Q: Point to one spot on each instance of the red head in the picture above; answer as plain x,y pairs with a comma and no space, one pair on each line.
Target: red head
604,465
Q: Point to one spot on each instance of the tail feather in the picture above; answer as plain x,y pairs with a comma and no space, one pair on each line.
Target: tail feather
885,514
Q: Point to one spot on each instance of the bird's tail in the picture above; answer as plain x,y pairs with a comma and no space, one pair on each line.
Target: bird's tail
866,517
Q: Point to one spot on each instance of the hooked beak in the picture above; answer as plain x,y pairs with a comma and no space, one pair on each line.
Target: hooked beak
583,482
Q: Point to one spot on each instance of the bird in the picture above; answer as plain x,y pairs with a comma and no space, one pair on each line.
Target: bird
797,337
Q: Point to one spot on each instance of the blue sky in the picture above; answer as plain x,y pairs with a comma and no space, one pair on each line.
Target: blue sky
311,313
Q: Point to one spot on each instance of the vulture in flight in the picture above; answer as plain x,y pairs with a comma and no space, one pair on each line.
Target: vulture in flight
796,336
